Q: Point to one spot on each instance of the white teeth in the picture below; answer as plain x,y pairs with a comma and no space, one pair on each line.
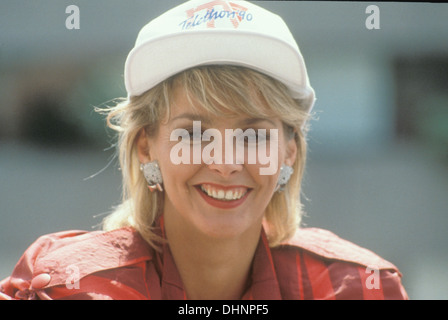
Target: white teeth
220,194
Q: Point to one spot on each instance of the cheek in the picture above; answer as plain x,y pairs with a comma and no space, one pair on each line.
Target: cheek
160,150
266,183
269,157
176,182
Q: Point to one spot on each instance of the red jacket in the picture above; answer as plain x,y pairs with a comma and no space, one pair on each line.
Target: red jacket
119,264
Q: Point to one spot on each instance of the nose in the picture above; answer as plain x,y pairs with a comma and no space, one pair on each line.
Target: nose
225,170
226,160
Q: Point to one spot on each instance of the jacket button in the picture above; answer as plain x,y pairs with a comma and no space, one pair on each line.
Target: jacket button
40,281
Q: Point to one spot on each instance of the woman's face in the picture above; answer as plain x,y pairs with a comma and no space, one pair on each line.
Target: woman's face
211,188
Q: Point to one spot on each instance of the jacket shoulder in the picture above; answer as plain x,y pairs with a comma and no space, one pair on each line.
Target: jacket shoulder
49,261
329,246
317,264
92,252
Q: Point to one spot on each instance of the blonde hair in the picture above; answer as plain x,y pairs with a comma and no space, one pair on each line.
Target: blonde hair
222,90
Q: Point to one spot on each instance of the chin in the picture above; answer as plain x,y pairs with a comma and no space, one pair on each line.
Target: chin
228,228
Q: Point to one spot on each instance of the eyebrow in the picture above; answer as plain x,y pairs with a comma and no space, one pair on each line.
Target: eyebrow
250,121
205,119
192,116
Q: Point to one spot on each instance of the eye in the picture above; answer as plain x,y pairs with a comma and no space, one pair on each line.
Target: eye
186,135
253,137
262,135
194,136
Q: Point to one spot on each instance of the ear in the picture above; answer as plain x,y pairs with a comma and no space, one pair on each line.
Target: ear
291,151
142,143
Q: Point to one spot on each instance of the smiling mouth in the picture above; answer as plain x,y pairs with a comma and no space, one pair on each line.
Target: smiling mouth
223,194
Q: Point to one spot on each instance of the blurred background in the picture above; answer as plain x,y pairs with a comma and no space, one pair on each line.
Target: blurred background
378,157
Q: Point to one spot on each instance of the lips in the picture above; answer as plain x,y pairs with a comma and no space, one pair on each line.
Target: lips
223,196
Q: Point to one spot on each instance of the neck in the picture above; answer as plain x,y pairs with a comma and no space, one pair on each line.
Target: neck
212,268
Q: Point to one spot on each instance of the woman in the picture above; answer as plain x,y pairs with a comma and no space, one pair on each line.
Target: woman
212,146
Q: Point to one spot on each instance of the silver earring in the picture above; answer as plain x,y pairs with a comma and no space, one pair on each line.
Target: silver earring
283,177
152,174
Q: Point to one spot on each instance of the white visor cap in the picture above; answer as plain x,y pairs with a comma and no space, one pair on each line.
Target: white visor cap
217,32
